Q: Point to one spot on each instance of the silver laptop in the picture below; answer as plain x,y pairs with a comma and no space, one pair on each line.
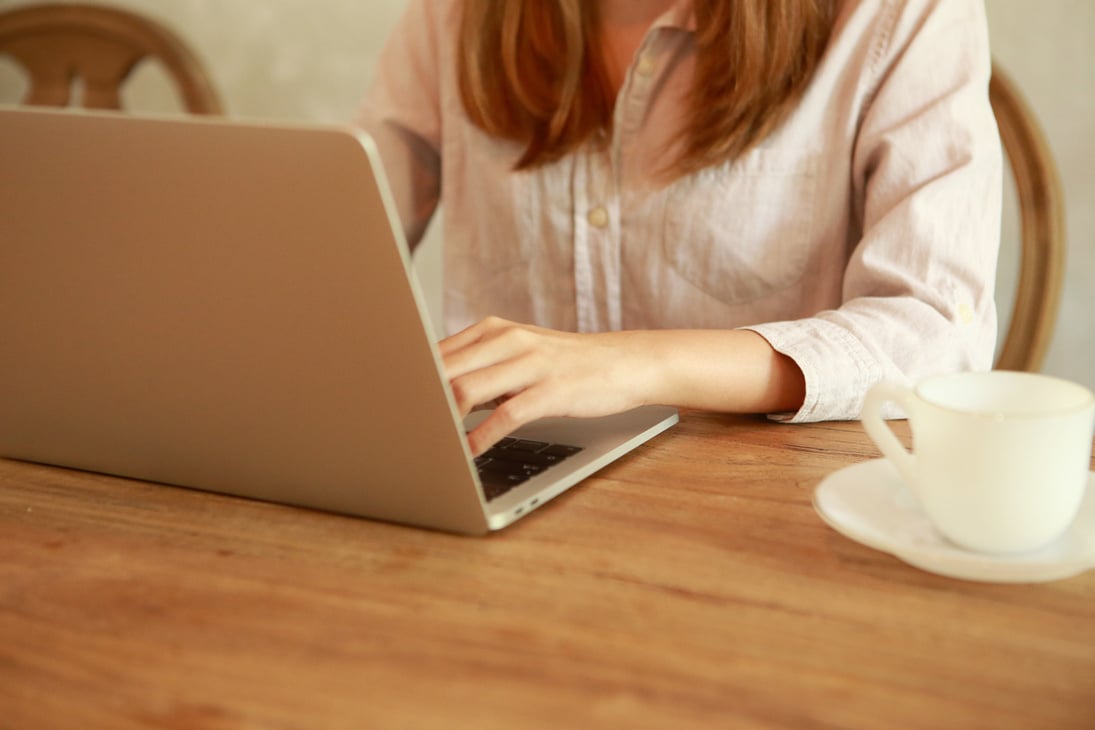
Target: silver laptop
231,307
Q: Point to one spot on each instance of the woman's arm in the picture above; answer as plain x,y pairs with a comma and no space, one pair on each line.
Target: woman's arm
533,372
402,112
917,290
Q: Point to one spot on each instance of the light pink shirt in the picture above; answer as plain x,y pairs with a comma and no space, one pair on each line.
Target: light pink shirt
860,239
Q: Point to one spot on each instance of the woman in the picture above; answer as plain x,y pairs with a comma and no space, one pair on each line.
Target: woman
738,205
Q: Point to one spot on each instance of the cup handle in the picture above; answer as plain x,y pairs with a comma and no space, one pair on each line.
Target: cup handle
882,434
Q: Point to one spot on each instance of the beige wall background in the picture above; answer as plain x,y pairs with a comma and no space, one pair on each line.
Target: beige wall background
310,60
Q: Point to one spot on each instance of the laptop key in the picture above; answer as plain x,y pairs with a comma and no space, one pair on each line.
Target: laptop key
497,481
512,462
522,457
560,450
527,445
509,470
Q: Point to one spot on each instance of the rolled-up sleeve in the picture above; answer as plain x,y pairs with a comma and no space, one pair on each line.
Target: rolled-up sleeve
918,287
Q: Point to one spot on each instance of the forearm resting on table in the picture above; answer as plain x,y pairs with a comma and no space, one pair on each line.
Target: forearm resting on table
531,372
734,371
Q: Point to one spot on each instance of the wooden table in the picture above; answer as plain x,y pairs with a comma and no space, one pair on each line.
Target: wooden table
691,584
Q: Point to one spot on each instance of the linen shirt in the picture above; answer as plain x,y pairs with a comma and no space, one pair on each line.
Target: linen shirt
859,239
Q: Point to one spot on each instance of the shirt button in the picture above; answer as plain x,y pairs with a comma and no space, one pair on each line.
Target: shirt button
647,65
965,313
598,217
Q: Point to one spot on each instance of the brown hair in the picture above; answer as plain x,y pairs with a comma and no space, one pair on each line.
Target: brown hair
530,72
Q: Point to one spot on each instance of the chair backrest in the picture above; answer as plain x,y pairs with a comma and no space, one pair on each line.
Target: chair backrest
1041,217
57,43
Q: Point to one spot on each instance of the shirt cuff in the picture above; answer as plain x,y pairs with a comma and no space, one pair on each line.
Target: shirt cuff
837,367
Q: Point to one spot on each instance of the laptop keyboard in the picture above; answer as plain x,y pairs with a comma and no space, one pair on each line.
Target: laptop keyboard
512,461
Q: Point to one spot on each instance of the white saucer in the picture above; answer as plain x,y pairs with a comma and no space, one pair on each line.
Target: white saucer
869,503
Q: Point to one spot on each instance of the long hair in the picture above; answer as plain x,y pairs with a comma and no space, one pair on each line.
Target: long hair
531,72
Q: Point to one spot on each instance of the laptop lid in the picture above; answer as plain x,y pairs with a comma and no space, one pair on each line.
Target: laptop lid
228,306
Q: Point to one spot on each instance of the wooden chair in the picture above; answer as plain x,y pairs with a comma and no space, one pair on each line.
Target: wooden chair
1041,216
57,43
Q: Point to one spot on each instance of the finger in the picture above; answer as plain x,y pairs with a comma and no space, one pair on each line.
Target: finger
496,346
521,409
471,334
492,382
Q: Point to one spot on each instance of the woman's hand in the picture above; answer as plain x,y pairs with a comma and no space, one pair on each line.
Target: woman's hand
530,373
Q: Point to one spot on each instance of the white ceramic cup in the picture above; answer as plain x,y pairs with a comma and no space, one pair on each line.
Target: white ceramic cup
1000,459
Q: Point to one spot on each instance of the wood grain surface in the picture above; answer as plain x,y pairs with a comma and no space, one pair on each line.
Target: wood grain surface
689,585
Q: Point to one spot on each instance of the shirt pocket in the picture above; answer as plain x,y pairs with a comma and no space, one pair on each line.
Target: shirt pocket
742,231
